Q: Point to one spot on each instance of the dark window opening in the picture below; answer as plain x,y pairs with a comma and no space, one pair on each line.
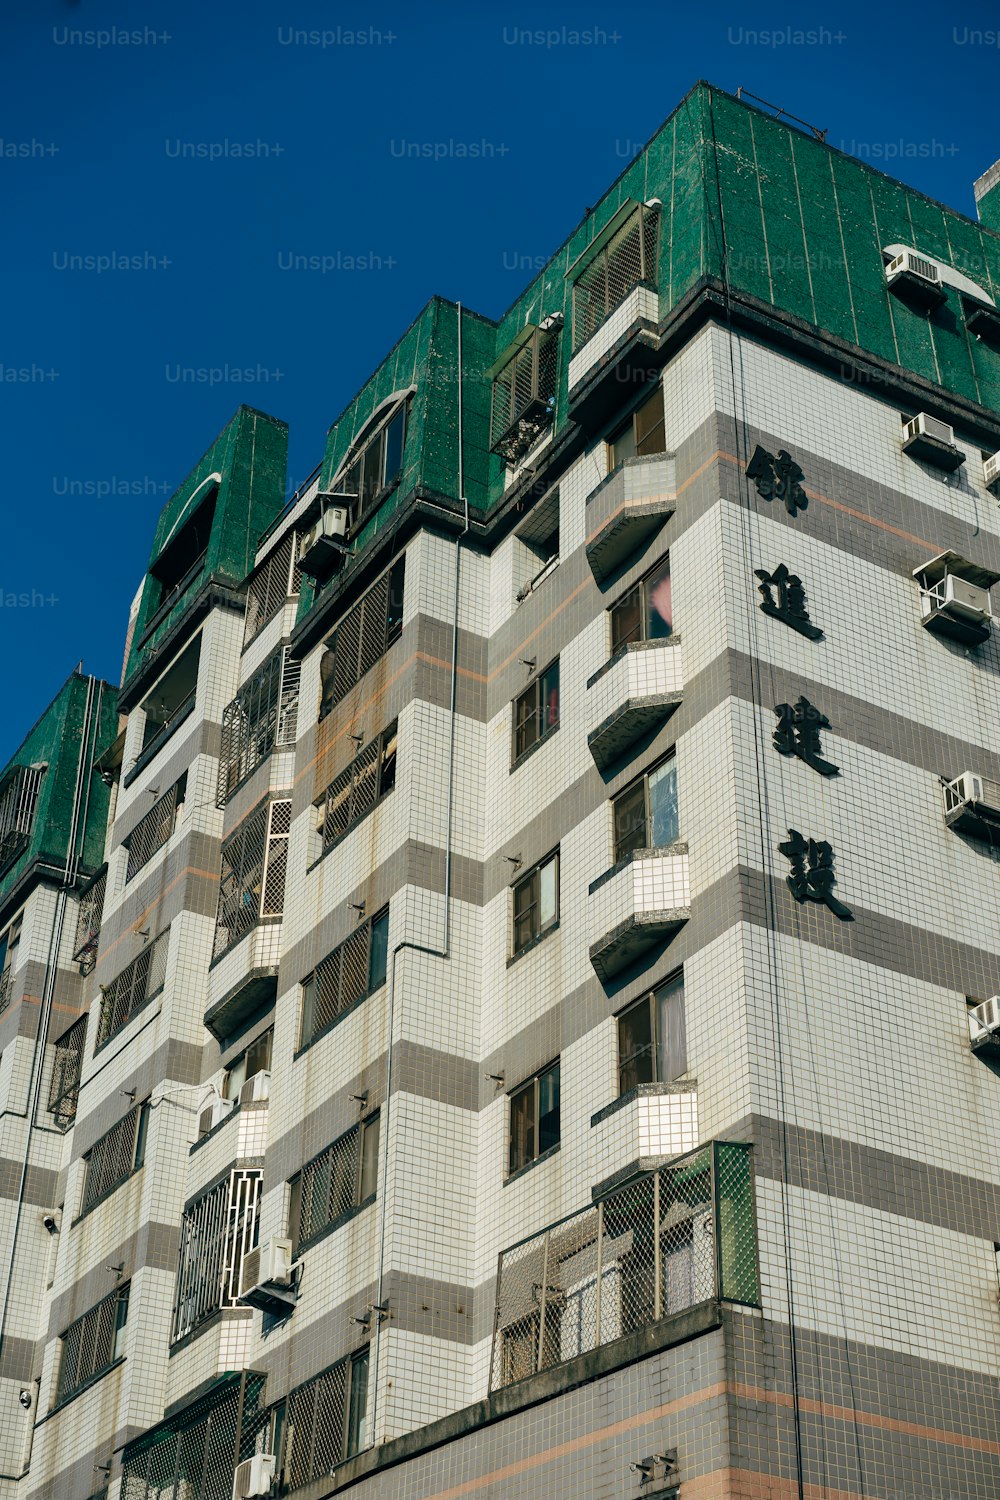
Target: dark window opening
652,1037
534,1118
341,1178
645,814
173,696
185,551
536,903
646,612
643,434
354,970
536,710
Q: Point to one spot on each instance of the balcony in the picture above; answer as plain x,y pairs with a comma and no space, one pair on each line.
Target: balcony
243,978
616,360
626,511
645,1254
634,693
639,903
644,1125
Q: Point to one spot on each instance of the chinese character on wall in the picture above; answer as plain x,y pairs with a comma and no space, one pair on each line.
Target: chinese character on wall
798,731
777,478
784,598
811,877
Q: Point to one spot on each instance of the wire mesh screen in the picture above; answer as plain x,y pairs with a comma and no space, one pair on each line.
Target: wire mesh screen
92,1343
123,996
254,860
628,260
328,1185
370,775
112,1158
218,1230
151,833
345,976
67,1065
263,714
524,393
641,1254
367,631
88,922
193,1455
277,580
325,1421
18,800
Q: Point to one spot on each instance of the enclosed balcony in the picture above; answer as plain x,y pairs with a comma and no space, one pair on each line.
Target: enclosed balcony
640,903
647,1122
630,1269
632,695
626,510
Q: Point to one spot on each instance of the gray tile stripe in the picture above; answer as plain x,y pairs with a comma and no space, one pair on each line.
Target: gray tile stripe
153,1246
17,1359
172,1062
41,1184
184,880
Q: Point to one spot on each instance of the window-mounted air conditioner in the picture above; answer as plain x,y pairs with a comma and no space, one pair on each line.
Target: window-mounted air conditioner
924,425
213,1115
991,473
267,1277
932,441
910,264
254,1476
961,599
972,806
321,546
984,1023
257,1088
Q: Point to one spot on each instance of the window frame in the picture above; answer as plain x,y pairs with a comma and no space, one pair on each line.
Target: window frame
364,1191
539,931
10,942
385,746
137,1157
121,1296
534,694
307,1004
266,1035
530,1089
641,439
658,1046
640,590
642,780
365,500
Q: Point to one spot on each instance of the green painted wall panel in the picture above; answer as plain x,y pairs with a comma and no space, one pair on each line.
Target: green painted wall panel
821,235
786,249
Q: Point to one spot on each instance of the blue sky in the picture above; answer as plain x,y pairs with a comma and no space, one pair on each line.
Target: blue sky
100,161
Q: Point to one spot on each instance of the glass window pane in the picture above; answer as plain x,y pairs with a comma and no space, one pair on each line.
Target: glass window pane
548,1109
356,1439
308,1003
659,612
394,616
369,1158
671,1037
349,483
371,472
394,446
294,1211
525,912
635,1046
649,426
235,1078
387,773
140,1137
548,708
622,445
630,821
548,894
379,951
663,804
522,1127
525,720
626,619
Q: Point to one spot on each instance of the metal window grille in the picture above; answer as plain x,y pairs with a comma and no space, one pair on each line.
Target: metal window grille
662,1243
115,1156
9,945
88,922
263,715
151,833
123,996
277,579
324,1421
354,968
18,801
64,1090
193,1454
254,861
524,396
368,778
218,1230
365,634
628,260
336,1181
92,1344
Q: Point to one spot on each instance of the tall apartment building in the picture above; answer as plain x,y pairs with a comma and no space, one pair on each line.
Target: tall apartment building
498,1001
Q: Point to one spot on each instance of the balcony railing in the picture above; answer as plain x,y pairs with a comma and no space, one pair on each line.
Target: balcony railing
668,1240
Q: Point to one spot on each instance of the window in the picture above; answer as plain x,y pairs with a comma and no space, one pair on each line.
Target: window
9,945
256,1059
643,434
254,861
536,903
645,814
151,832
92,1344
88,922
652,1041
182,558
218,1229
363,636
276,580
524,394
354,970
626,260
170,702
133,987
378,464
264,714
115,1156
368,778
67,1066
534,1118
536,711
340,1179
18,801
645,613
325,1421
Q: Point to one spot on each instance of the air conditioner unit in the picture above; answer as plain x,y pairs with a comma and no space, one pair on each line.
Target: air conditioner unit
254,1476
961,598
984,1023
321,546
213,1115
924,425
911,264
257,1088
972,806
267,1277
991,473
